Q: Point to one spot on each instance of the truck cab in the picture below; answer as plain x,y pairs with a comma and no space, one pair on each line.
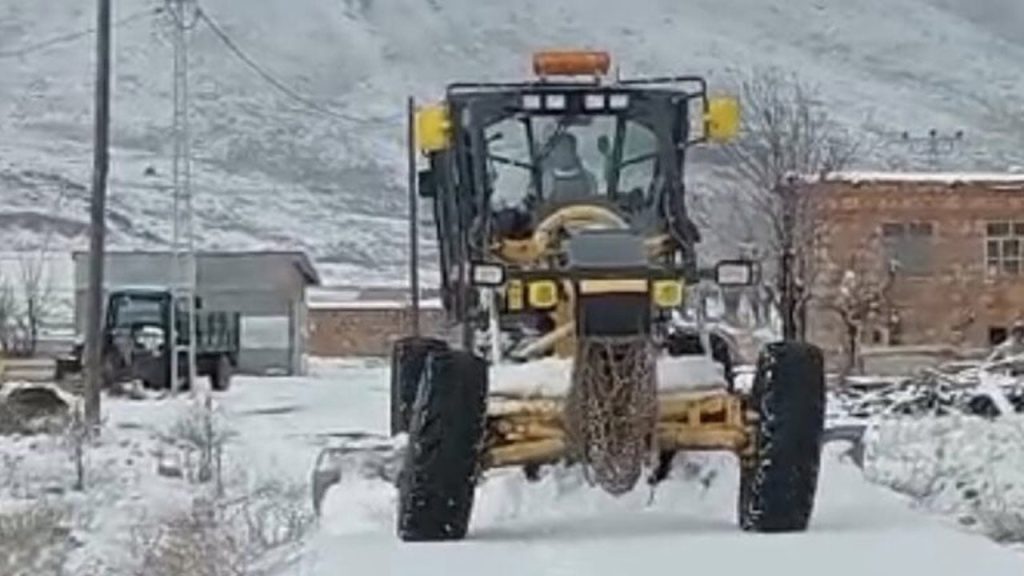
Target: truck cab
136,340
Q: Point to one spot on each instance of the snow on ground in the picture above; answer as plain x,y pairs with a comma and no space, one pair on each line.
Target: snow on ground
559,526
554,526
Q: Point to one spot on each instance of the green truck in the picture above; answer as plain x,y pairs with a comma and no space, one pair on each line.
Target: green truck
136,329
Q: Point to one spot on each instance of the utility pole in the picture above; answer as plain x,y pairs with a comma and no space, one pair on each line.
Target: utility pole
97,224
414,243
183,285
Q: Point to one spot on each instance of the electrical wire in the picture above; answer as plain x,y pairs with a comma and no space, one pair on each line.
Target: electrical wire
269,78
73,36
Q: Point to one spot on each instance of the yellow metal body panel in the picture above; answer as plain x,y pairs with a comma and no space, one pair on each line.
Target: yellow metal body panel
613,286
524,431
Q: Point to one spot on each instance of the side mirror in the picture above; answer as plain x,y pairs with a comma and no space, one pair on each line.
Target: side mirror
733,273
426,184
722,118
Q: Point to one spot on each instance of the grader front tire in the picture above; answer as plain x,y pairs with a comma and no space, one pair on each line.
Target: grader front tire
438,479
408,357
777,487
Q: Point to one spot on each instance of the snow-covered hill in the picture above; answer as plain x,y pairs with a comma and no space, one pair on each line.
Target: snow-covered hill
270,172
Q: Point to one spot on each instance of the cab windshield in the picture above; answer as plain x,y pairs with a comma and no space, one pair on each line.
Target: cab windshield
138,310
544,159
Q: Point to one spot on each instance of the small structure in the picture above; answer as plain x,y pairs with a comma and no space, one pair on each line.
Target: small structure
953,245
363,322
268,290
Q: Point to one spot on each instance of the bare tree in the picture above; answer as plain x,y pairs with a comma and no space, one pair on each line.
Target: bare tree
8,316
37,299
787,136
859,294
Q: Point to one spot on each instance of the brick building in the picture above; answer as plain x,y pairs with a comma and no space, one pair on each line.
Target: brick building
348,322
954,244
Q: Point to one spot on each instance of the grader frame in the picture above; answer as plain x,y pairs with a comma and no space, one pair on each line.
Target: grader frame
590,268
531,432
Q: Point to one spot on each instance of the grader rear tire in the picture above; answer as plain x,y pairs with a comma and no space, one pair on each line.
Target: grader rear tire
438,479
778,486
408,357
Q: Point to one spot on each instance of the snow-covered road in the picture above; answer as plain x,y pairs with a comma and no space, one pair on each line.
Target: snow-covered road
559,526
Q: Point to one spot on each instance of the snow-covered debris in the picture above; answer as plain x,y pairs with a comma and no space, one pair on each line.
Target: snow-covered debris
29,408
978,388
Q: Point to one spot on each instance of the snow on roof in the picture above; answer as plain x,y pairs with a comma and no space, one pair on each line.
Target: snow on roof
925,177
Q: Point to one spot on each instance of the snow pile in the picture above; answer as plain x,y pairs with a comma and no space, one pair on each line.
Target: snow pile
968,467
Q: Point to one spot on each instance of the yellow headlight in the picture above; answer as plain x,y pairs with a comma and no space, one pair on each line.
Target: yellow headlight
542,294
667,293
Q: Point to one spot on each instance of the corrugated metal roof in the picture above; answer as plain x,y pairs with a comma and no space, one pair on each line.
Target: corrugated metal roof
300,259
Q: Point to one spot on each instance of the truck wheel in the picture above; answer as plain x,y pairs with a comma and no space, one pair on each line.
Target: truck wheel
408,356
778,484
220,379
438,478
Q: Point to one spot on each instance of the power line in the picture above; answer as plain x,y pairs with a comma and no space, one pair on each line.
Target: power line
934,145
267,76
73,36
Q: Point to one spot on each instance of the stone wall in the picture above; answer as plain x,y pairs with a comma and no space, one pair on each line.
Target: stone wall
364,330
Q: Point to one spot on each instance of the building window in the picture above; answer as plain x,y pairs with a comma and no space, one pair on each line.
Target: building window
909,245
1004,248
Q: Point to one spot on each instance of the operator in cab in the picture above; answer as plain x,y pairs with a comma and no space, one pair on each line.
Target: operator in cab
565,178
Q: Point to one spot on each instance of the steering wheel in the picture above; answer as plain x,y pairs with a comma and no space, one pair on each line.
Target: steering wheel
548,235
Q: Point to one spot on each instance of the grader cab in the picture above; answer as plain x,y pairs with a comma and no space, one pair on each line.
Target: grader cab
566,254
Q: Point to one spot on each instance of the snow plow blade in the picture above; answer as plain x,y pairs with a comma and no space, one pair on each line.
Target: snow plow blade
356,455
851,433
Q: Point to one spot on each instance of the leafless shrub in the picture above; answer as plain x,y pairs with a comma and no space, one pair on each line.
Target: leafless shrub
33,541
76,438
202,434
275,515
192,542
240,537
8,316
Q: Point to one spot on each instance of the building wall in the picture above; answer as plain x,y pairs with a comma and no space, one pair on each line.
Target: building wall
364,330
266,289
954,299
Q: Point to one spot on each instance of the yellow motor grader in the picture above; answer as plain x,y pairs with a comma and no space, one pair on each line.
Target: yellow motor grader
566,255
